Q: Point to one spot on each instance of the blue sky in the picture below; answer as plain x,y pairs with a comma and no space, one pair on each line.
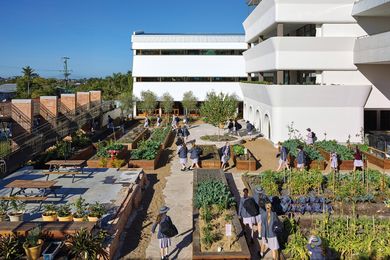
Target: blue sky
95,34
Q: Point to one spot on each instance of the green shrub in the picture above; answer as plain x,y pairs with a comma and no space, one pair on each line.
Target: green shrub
238,149
104,147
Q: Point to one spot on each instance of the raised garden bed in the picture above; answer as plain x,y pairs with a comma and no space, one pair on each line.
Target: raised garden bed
203,248
132,138
147,164
378,158
83,154
210,158
242,161
101,160
314,157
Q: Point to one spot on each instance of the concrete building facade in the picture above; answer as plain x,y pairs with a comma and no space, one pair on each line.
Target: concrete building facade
177,63
303,58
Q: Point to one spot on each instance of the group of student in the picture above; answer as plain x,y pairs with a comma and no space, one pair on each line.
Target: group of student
302,157
258,213
234,127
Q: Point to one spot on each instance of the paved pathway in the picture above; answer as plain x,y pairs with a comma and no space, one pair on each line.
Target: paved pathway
178,196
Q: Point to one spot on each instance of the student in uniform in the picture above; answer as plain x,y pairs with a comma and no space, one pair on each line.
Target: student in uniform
358,160
334,161
246,212
283,156
237,127
315,248
183,153
195,153
230,126
186,121
269,220
225,150
164,241
301,159
309,137
146,123
249,128
185,133
159,121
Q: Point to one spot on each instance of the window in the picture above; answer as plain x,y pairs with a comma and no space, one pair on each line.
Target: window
189,52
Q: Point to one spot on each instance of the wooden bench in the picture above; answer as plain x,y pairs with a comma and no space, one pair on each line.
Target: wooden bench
36,198
73,173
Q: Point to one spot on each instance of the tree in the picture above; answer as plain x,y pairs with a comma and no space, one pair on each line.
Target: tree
167,103
28,75
218,108
126,100
148,101
189,101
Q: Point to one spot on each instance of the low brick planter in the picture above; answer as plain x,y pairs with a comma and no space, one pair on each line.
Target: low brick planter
245,162
147,164
94,162
210,160
144,134
201,175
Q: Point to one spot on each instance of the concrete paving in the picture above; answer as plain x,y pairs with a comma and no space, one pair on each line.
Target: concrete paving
101,185
178,197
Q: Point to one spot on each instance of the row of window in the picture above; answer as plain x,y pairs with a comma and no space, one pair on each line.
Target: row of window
189,52
190,79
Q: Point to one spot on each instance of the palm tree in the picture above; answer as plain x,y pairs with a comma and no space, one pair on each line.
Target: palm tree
29,74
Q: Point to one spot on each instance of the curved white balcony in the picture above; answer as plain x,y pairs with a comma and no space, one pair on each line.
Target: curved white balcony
373,49
270,12
301,53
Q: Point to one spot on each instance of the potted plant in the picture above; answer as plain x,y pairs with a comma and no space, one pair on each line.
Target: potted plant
81,209
84,245
49,212
10,247
64,213
17,210
33,244
3,210
96,211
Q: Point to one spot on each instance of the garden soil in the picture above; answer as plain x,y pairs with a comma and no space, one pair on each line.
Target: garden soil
265,152
138,235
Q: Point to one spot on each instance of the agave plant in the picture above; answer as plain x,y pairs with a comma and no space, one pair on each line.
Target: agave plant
10,247
87,246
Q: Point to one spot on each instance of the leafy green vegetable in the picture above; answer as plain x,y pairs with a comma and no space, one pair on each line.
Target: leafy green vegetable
238,149
147,150
213,192
332,146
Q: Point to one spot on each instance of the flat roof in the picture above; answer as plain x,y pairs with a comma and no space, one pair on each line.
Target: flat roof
187,38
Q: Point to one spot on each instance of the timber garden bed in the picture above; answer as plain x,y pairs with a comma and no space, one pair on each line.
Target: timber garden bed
209,237
210,158
243,158
378,158
135,135
149,152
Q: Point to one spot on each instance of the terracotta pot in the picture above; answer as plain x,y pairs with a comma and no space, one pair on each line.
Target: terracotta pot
76,219
16,216
65,219
34,252
49,218
93,219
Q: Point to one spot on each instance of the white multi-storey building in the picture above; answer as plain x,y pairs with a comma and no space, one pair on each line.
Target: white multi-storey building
177,63
302,52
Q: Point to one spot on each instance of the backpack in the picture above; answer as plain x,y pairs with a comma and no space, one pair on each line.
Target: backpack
167,228
251,207
314,136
